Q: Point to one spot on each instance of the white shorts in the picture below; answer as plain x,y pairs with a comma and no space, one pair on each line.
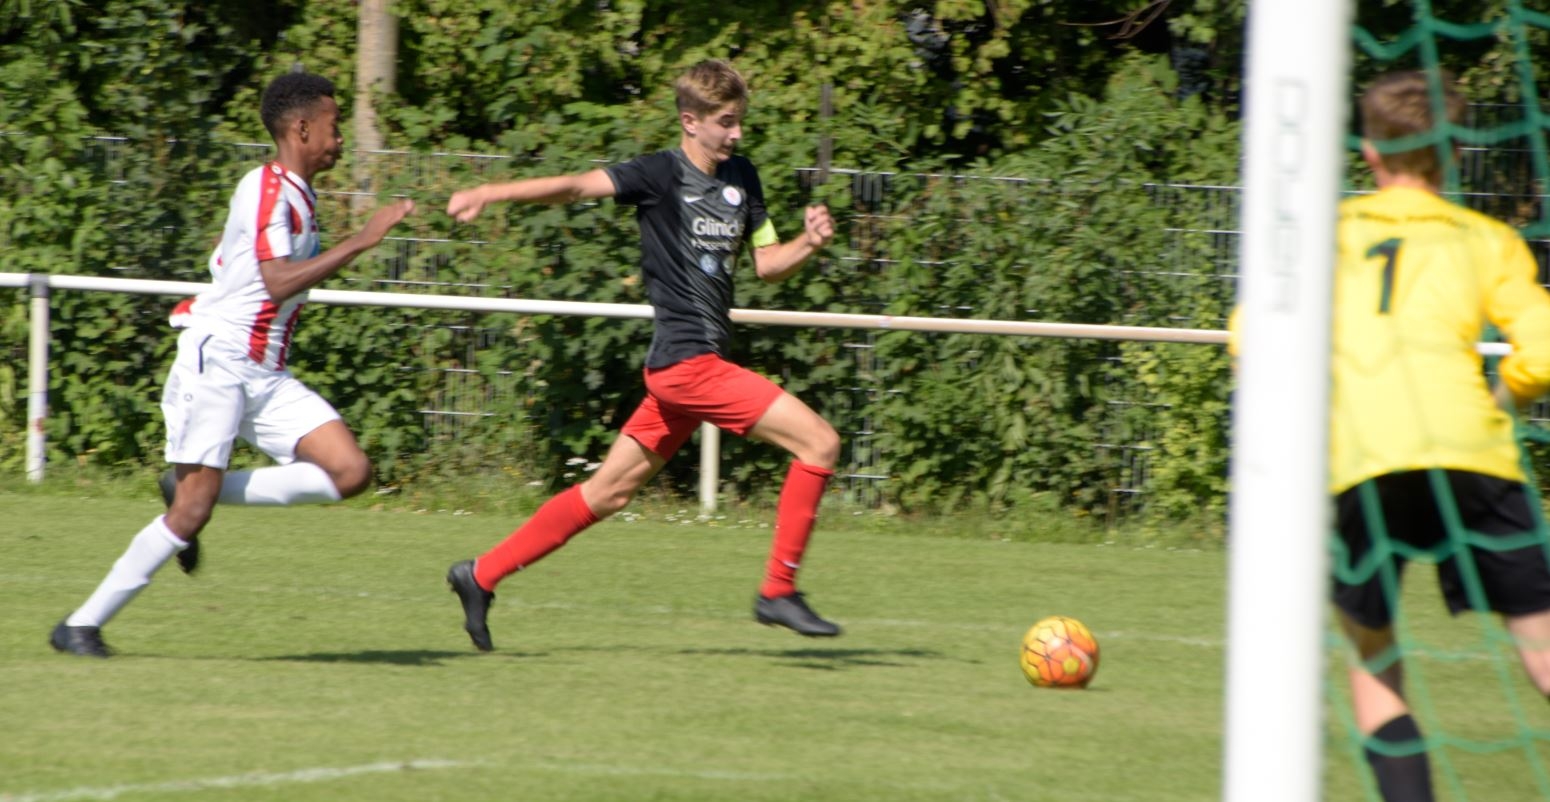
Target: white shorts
214,396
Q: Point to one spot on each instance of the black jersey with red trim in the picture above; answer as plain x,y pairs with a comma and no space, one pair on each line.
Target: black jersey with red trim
692,226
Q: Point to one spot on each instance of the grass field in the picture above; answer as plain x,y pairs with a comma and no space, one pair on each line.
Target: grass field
319,656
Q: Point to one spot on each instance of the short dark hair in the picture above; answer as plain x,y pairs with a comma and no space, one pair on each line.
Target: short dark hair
291,93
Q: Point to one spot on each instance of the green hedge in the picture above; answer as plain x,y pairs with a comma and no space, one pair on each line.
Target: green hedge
959,420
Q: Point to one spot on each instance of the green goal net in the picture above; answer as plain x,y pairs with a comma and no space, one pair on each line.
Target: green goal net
1485,728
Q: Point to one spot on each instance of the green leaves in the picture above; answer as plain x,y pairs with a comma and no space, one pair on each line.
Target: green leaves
1000,417
992,161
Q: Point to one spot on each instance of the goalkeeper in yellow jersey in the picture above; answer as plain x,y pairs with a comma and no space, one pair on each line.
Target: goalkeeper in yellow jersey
1416,428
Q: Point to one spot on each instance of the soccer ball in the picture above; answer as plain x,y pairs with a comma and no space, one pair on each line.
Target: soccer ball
1059,652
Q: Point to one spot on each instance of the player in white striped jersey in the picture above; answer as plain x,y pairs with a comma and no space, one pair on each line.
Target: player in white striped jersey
230,379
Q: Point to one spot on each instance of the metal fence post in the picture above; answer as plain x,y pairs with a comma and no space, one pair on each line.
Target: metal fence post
37,374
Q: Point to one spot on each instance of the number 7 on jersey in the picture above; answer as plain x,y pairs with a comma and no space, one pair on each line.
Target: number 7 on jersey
1389,250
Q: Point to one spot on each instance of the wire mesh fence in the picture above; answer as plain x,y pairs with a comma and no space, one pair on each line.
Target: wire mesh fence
1196,271
465,388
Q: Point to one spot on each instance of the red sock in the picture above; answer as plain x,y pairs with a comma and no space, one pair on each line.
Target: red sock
794,517
558,520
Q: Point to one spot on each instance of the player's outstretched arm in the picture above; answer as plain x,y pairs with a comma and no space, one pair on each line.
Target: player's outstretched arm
284,278
466,204
779,262
1520,308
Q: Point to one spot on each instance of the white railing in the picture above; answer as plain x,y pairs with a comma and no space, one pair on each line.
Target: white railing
41,286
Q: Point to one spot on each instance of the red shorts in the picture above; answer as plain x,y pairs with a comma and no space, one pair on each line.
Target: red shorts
705,388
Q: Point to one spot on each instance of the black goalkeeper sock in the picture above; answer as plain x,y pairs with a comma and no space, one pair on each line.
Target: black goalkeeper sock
1401,778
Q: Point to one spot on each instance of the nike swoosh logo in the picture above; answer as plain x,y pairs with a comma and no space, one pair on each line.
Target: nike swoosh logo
693,198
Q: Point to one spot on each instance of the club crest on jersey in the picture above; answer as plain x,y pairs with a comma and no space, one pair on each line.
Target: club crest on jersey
732,195
709,264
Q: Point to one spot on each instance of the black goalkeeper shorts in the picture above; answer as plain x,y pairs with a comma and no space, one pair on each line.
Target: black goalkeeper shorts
1514,581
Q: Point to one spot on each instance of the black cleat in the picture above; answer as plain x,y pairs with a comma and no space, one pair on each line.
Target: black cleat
793,613
188,558
476,603
82,641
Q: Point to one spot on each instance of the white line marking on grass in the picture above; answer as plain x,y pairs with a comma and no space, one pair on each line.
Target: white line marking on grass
636,771
1187,640
327,774
235,781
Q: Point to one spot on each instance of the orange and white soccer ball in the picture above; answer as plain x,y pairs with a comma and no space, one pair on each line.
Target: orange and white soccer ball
1060,652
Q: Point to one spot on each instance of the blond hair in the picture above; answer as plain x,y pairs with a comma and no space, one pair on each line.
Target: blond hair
708,86
1399,105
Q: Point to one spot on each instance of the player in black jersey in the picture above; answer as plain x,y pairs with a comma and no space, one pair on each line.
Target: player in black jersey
697,204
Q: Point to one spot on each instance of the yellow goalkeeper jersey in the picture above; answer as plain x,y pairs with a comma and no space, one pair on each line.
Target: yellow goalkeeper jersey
1416,280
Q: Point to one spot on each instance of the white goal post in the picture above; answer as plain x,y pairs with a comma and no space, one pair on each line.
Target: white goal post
1297,93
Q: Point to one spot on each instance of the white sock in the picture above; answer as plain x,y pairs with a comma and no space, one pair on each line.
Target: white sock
147,552
296,483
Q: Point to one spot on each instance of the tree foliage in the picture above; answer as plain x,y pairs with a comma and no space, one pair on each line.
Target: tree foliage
125,123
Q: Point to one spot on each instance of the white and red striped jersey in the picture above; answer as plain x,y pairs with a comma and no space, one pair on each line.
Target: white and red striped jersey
273,216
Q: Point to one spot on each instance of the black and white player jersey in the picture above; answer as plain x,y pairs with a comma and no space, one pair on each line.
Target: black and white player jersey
692,227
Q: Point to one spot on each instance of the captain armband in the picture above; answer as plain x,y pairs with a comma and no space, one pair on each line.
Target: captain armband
764,235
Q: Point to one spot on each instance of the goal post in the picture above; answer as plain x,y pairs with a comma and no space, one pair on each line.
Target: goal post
1296,95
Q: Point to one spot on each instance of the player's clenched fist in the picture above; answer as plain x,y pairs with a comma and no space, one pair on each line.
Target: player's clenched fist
465,204
820,225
